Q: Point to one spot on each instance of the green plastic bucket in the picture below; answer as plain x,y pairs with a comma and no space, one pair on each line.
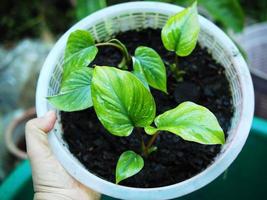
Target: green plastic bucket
245,179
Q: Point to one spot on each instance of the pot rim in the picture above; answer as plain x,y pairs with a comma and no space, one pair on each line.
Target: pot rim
226,157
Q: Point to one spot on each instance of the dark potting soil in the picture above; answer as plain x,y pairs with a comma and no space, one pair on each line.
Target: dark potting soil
175,160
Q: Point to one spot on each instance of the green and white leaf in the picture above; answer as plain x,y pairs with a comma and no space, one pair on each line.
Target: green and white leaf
190,121
121,101
140,75
75,92
128,165
80,51
180,33
148,62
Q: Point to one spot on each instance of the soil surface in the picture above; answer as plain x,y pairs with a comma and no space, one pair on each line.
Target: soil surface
175,160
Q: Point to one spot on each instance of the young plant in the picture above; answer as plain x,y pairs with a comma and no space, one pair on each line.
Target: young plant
122,99
180,35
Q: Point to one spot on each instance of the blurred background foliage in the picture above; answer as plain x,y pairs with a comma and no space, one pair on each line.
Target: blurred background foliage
256,9
49,18
34,18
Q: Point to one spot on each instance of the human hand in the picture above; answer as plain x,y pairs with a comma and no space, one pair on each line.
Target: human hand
50,180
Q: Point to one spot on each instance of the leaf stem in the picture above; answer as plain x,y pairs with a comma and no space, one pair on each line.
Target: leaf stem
125,61
150,143
177,72
176,61
143,146
109,44
152,140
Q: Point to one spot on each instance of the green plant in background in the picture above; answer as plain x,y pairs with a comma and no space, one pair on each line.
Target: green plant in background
122,99
32,18
256,9
86,7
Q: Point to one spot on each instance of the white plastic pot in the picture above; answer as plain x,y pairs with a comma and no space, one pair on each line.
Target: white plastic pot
136,15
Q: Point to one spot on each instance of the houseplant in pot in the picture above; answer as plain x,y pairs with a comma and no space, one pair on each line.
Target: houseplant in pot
172,166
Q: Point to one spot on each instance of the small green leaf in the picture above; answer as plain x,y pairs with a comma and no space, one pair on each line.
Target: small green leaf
80,51
148,62
121,101
180,33
192,122
75,92
128,165
152,149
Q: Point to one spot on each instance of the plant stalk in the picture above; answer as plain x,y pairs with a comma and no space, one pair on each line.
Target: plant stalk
143,146
176,61
150,143
110,44
177,72
125,60
152,140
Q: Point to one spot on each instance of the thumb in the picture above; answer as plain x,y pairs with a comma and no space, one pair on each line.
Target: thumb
36,135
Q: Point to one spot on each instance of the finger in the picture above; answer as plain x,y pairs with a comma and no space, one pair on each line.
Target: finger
45,123
36,138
